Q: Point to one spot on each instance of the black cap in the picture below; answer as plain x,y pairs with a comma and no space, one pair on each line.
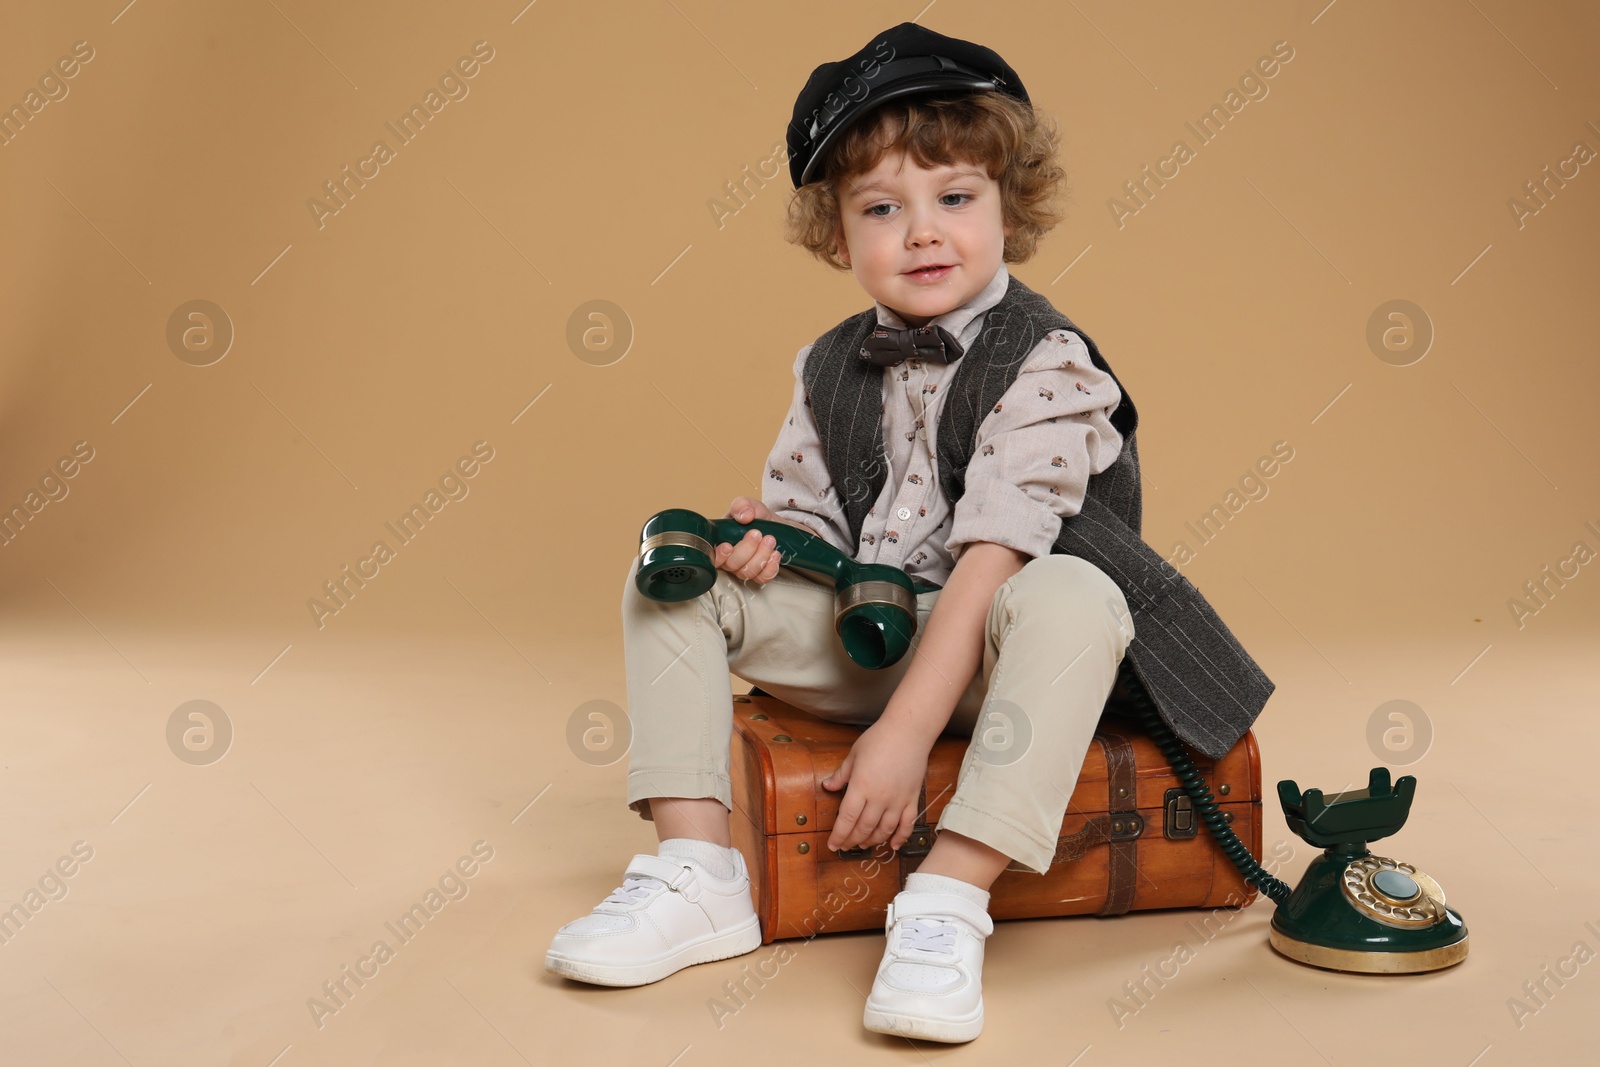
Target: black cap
905,59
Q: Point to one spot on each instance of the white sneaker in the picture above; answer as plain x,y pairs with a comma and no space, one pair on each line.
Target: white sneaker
930,980
668,914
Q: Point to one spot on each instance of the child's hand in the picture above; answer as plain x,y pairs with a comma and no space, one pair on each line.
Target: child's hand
756,555
882,776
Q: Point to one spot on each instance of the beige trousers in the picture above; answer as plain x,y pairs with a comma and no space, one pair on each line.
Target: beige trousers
1055,637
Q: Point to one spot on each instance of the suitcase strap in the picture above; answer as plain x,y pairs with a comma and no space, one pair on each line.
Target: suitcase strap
921,840
1119,826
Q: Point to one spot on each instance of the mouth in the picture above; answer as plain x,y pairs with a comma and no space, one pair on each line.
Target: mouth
931,273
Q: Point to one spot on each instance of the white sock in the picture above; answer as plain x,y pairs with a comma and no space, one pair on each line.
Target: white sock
716,859
918,882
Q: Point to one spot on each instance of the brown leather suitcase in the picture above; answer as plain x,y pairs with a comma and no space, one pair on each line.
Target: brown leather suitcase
1130,840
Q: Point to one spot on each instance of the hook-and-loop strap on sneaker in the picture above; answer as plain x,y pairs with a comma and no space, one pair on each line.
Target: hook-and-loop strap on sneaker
668,914
930,980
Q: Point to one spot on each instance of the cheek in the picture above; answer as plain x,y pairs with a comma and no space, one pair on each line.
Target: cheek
873,250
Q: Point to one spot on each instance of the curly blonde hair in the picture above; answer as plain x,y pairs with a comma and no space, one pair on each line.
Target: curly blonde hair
1014,144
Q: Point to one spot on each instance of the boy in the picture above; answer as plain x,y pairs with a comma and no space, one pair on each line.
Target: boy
966,431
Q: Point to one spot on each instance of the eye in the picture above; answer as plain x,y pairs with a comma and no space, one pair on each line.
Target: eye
964,197
873,210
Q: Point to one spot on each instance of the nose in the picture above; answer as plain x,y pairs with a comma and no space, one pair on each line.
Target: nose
922,230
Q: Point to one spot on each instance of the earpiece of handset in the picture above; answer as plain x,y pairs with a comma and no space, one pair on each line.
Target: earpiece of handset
875,605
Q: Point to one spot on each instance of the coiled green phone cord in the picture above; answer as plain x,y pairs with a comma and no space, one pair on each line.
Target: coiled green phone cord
1200,793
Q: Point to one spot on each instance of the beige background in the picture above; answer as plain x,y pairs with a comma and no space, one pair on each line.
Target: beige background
432,312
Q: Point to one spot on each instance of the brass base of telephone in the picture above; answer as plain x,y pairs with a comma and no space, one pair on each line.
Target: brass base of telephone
1341,959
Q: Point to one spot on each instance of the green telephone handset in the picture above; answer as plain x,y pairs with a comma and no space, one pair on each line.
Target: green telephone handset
875,605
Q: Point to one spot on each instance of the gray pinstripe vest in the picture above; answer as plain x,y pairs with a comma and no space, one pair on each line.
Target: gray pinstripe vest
1205,685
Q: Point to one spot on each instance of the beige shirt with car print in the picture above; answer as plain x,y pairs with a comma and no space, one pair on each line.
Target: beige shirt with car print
1035,452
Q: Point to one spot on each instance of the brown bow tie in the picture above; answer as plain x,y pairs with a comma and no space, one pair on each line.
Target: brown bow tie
887,346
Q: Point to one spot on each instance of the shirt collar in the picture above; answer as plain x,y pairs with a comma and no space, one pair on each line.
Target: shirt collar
962,322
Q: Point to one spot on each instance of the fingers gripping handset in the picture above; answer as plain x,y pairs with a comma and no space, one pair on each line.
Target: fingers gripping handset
875,605
756,556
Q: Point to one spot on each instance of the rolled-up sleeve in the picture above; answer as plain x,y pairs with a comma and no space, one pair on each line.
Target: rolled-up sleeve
797,485
1036,450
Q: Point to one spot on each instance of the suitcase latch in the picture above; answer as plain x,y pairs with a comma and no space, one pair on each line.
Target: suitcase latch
1180,821
918,844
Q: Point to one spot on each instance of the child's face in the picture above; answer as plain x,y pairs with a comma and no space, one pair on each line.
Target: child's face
900,216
